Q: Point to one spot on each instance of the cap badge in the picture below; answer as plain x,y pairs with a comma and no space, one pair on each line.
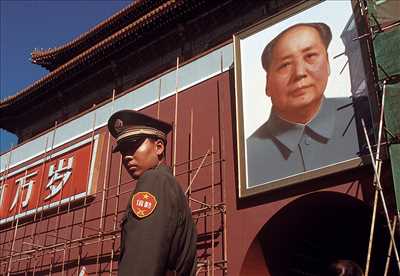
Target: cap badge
119,125
143,204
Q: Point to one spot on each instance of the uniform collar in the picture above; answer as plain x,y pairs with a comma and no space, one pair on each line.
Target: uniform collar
163,167
290,134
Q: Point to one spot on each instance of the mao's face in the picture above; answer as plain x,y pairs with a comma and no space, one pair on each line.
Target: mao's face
298,72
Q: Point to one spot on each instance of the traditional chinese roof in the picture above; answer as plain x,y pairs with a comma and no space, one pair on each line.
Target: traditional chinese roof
125,27
94,42
54,57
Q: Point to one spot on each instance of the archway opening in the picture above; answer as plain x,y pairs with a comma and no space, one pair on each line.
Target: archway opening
308,234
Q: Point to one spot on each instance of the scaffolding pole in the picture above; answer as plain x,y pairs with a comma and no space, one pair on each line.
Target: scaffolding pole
378,163
212,204
389,255
391,231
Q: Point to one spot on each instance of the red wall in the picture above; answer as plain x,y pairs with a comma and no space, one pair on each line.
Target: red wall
73,237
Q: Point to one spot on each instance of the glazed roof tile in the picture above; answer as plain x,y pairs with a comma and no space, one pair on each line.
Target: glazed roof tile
93,51
54,57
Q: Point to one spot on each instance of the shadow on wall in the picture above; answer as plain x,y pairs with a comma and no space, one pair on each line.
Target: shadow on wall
308,234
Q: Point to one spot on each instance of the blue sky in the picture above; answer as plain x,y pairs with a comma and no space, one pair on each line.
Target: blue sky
26,25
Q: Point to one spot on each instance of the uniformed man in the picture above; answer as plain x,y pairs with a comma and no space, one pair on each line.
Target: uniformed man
158,233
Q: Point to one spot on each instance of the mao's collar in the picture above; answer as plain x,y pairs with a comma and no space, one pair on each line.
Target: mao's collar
290,134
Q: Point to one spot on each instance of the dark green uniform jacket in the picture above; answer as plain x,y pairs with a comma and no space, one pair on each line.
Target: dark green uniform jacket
164,239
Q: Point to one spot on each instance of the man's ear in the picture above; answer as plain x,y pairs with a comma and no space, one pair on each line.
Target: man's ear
266,86
328,64
160,147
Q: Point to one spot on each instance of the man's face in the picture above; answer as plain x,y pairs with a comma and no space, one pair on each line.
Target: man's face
298,72
141,155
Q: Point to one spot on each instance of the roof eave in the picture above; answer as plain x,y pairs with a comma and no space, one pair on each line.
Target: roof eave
89,56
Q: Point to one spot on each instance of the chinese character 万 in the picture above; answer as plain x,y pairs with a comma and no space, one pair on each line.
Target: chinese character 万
58,178
22,183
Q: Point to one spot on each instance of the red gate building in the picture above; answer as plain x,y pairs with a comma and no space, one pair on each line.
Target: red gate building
63,192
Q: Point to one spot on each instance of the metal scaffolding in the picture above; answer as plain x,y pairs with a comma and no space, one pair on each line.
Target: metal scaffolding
375,157
87,235
82,238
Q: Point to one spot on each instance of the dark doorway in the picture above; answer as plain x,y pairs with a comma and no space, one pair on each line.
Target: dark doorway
304,237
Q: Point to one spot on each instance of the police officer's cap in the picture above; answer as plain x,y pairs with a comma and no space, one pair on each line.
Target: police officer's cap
129,126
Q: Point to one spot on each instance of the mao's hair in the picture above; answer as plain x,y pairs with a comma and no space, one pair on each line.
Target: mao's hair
323,30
